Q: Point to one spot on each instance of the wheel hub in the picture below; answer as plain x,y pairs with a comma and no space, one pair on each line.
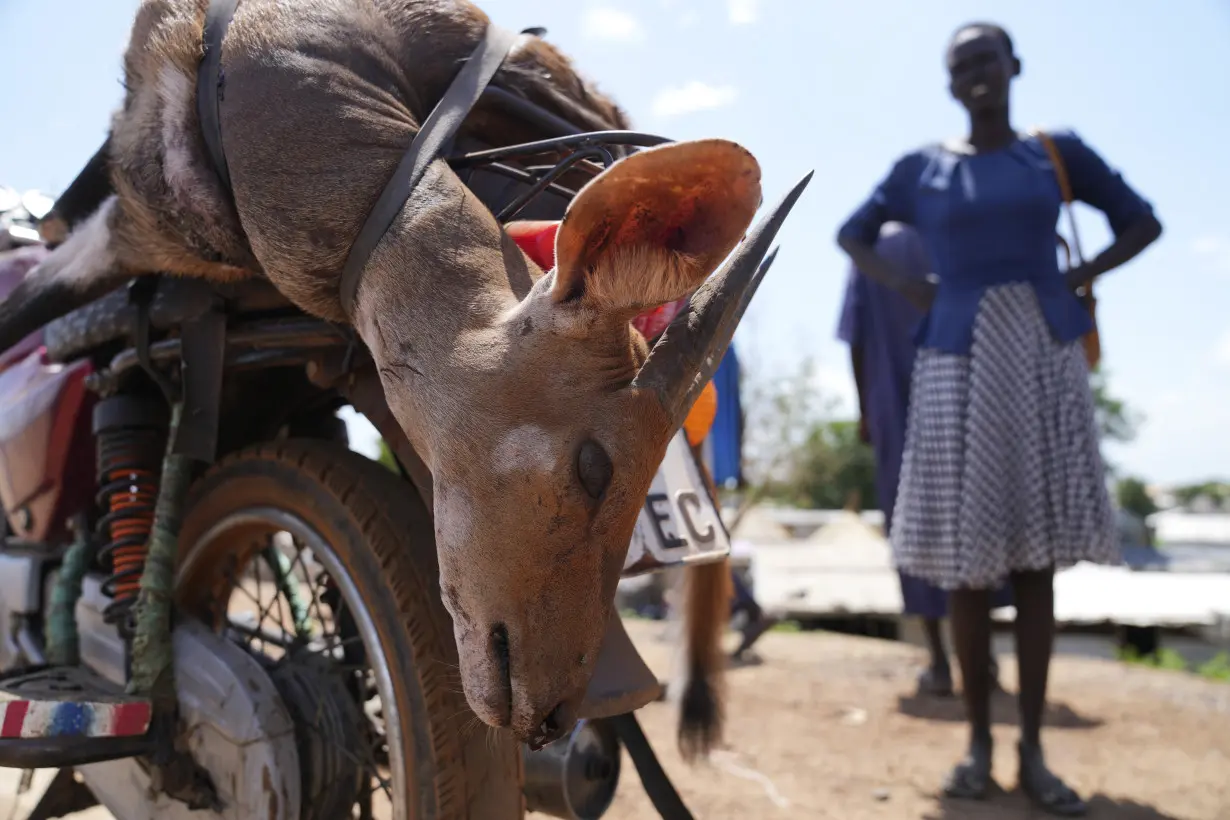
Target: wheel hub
329,726
575,777
235,725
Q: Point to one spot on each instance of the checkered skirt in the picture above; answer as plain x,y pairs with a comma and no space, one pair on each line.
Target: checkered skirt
1002,470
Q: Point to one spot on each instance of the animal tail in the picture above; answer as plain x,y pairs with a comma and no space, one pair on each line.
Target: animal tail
79,271
707,590
702,706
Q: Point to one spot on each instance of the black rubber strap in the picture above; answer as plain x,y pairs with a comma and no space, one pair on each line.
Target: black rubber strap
209,85
436,132
657,785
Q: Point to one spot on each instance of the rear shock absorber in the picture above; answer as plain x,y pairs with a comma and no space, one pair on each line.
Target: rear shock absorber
130,432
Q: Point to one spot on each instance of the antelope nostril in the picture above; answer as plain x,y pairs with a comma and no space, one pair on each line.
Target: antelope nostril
557,722
499,648
554,721
499,645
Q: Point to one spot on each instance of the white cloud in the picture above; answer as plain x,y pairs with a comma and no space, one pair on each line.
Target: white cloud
615,25
1221,350
742,12
689,18
692,97
1206,244
1215,250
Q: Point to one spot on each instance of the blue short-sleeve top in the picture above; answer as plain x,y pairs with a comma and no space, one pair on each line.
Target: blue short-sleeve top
989,219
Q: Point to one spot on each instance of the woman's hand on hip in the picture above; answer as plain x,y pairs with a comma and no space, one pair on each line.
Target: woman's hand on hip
1077,279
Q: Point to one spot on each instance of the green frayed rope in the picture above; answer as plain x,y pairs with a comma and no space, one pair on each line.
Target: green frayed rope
152,657
63,645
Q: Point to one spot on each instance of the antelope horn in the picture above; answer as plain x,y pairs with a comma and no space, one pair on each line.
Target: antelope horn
689,351
753,285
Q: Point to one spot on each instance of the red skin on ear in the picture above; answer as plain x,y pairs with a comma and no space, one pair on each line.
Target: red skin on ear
537,240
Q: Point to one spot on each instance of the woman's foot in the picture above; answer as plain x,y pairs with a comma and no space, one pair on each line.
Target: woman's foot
971,778
1046,790
755,627
935,681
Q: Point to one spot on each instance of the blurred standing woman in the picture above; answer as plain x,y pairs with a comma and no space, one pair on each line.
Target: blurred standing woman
1002,477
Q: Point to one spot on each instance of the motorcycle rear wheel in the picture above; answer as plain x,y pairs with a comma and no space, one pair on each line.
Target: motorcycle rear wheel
370,530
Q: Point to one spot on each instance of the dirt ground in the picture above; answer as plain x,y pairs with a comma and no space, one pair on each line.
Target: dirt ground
827,726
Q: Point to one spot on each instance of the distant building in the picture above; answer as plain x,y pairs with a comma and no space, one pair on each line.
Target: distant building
1187,526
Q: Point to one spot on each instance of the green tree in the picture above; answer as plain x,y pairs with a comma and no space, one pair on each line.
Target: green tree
1132,496
1217,492
833,468
778,415
797,453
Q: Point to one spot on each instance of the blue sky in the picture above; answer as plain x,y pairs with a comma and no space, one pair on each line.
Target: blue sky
842,88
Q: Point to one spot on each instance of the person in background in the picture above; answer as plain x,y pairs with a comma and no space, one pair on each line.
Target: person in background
879,326
1002,476
756,621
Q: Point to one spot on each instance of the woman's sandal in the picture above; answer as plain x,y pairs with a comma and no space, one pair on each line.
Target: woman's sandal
971,778
1047,791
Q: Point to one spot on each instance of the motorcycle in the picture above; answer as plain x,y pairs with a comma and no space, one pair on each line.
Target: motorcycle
210,607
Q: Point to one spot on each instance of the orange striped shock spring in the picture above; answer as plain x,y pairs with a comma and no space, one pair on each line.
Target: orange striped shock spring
128,460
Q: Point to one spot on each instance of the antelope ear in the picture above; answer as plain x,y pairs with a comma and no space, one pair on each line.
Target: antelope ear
653,226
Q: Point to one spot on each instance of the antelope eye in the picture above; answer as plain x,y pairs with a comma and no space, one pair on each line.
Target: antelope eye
594,468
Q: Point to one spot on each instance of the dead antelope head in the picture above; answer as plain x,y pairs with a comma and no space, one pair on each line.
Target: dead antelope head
554,420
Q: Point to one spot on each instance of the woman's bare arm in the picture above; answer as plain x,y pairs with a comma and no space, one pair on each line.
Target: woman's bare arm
1142,233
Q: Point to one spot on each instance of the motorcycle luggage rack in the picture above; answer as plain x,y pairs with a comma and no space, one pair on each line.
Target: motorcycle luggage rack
558,165
61,716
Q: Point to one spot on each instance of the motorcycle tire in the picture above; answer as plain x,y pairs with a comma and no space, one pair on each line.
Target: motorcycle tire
382,533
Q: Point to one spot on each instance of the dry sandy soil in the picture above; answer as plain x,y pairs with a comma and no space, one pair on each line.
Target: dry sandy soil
827,727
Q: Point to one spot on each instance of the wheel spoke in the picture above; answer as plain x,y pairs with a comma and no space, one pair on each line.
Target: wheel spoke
338,641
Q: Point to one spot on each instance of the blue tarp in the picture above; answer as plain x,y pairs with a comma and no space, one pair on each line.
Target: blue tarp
726,437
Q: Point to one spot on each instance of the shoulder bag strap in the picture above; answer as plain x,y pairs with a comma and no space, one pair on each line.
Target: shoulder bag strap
1065,187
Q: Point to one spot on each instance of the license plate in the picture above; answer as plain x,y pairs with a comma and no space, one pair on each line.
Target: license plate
679,523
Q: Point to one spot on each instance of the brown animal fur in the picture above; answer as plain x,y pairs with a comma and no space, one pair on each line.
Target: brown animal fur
496,372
